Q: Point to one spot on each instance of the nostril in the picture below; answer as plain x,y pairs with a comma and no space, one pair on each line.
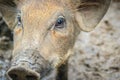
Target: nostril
13,76
20,73
31,77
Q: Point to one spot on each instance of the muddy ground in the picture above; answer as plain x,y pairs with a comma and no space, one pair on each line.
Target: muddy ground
96,56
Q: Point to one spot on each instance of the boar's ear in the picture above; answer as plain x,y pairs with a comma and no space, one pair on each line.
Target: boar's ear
88,13
8,11
8,8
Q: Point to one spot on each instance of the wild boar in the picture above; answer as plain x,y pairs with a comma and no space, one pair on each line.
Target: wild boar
45,33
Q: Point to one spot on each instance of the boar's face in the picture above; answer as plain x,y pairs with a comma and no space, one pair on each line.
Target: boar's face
47,28
45,33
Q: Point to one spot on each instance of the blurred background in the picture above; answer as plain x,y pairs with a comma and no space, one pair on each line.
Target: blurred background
96,56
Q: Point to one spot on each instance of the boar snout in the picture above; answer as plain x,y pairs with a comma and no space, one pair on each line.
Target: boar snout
28,65
21,73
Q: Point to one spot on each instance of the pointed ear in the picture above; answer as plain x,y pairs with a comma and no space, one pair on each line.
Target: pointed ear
88,13
8,11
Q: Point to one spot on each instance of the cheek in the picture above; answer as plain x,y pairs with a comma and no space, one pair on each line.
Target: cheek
55,46
61,41
62,44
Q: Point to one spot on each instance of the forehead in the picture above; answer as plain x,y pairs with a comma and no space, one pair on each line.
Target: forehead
41,9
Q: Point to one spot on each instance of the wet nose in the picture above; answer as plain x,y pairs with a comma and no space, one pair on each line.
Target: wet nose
21,73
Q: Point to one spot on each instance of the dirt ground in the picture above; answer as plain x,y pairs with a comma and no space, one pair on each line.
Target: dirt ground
97,53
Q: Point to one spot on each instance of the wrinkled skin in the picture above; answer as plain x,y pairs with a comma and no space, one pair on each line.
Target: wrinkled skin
46,31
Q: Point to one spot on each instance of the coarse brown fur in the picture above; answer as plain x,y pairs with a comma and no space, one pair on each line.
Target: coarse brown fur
37,33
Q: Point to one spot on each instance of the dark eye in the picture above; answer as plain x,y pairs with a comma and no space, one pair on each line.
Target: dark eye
19,21
60,23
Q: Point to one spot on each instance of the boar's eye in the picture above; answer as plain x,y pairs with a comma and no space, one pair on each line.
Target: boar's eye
60,23
19,21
